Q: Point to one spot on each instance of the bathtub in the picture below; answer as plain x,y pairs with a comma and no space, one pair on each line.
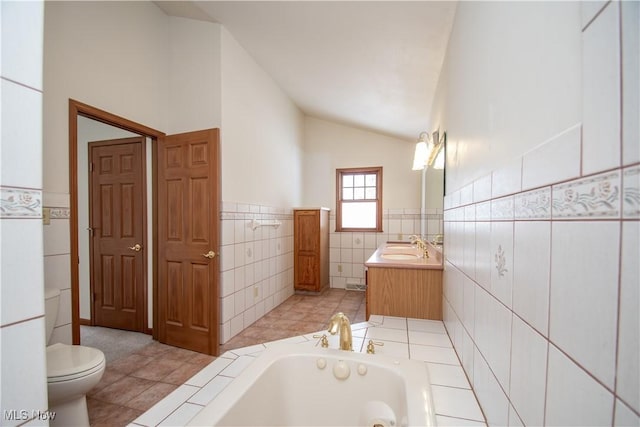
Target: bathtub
293,385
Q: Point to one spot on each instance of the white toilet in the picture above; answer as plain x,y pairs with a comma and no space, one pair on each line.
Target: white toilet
72,371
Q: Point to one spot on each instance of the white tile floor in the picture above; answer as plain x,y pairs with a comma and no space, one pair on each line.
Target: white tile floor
426,340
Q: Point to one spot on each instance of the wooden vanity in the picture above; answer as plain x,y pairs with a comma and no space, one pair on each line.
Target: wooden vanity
400,283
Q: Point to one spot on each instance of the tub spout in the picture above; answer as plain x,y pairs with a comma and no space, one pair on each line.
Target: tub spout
340,322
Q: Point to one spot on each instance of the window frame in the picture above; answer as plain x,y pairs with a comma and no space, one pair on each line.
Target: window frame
340,172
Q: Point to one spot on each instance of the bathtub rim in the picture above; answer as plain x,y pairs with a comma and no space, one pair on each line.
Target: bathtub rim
420,403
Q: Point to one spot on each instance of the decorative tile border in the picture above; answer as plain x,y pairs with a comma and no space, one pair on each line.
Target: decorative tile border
502,208
483,211
470,213
60,213
594,197
20,203
534,204
631,192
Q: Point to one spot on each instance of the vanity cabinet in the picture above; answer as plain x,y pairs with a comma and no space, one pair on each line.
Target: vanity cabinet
403,283
311,249
404,292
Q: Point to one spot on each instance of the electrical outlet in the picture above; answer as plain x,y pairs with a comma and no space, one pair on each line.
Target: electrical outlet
400,236
255,292
339,268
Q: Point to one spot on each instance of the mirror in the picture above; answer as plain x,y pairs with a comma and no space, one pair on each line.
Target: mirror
432,195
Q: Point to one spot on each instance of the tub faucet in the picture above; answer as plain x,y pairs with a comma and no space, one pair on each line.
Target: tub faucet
341,322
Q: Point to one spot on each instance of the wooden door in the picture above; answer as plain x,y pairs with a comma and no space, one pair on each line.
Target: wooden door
188,240
118,223
307,250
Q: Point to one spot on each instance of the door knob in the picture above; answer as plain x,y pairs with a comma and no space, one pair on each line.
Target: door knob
136,247
209,255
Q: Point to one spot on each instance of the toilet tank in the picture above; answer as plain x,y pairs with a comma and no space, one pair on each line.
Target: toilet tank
51,304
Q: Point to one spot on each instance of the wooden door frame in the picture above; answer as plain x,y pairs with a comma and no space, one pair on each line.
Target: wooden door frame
76,109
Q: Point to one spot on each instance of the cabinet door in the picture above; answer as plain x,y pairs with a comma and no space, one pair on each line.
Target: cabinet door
307,250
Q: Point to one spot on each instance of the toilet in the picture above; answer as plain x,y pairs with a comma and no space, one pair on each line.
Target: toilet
72,370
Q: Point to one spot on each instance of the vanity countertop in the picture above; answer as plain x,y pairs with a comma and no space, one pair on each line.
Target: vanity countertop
405,255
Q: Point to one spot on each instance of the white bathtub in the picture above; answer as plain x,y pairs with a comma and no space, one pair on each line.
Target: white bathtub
291,385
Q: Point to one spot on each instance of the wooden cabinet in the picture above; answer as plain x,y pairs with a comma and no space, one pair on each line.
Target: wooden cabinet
404,292
311,249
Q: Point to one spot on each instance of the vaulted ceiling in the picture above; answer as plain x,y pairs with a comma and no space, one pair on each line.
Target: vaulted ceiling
370,64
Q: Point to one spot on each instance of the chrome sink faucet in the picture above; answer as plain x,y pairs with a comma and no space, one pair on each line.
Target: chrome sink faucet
340,322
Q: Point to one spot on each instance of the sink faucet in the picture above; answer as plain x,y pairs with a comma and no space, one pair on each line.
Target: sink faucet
341,322
421,244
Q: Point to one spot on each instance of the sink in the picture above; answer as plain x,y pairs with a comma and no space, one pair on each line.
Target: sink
400,257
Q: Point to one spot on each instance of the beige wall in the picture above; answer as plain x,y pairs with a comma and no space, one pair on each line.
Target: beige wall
111,55
329,145
194,75
261,134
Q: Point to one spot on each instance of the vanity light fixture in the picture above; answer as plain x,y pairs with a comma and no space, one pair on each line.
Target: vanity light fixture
429,151
423,150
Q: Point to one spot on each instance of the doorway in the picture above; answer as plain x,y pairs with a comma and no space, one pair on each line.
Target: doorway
198,314
79,214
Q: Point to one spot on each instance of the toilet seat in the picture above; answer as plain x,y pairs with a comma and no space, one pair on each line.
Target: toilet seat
70,362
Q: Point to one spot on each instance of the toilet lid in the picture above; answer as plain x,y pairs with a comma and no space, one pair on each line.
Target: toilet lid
66,362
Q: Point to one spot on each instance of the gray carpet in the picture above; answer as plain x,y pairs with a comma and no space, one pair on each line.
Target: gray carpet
114,343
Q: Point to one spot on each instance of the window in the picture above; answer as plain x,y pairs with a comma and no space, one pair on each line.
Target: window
359,199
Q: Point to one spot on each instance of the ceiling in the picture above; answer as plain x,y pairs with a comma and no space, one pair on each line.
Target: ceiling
369,64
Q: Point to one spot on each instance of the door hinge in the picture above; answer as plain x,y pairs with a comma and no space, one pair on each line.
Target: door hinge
91,231
90,166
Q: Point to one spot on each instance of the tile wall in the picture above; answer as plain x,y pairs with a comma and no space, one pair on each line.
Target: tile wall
349,251
541,280
256,264
57,261
23,388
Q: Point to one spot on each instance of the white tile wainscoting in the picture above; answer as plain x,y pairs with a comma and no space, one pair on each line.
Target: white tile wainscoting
541,297
256,264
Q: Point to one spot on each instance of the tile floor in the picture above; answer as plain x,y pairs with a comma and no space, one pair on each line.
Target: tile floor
134,383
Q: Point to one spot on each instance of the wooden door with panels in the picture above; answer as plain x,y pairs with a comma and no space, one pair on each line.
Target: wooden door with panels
188,240
118,232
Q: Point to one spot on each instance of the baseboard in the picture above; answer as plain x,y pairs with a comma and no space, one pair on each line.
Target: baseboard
149,331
